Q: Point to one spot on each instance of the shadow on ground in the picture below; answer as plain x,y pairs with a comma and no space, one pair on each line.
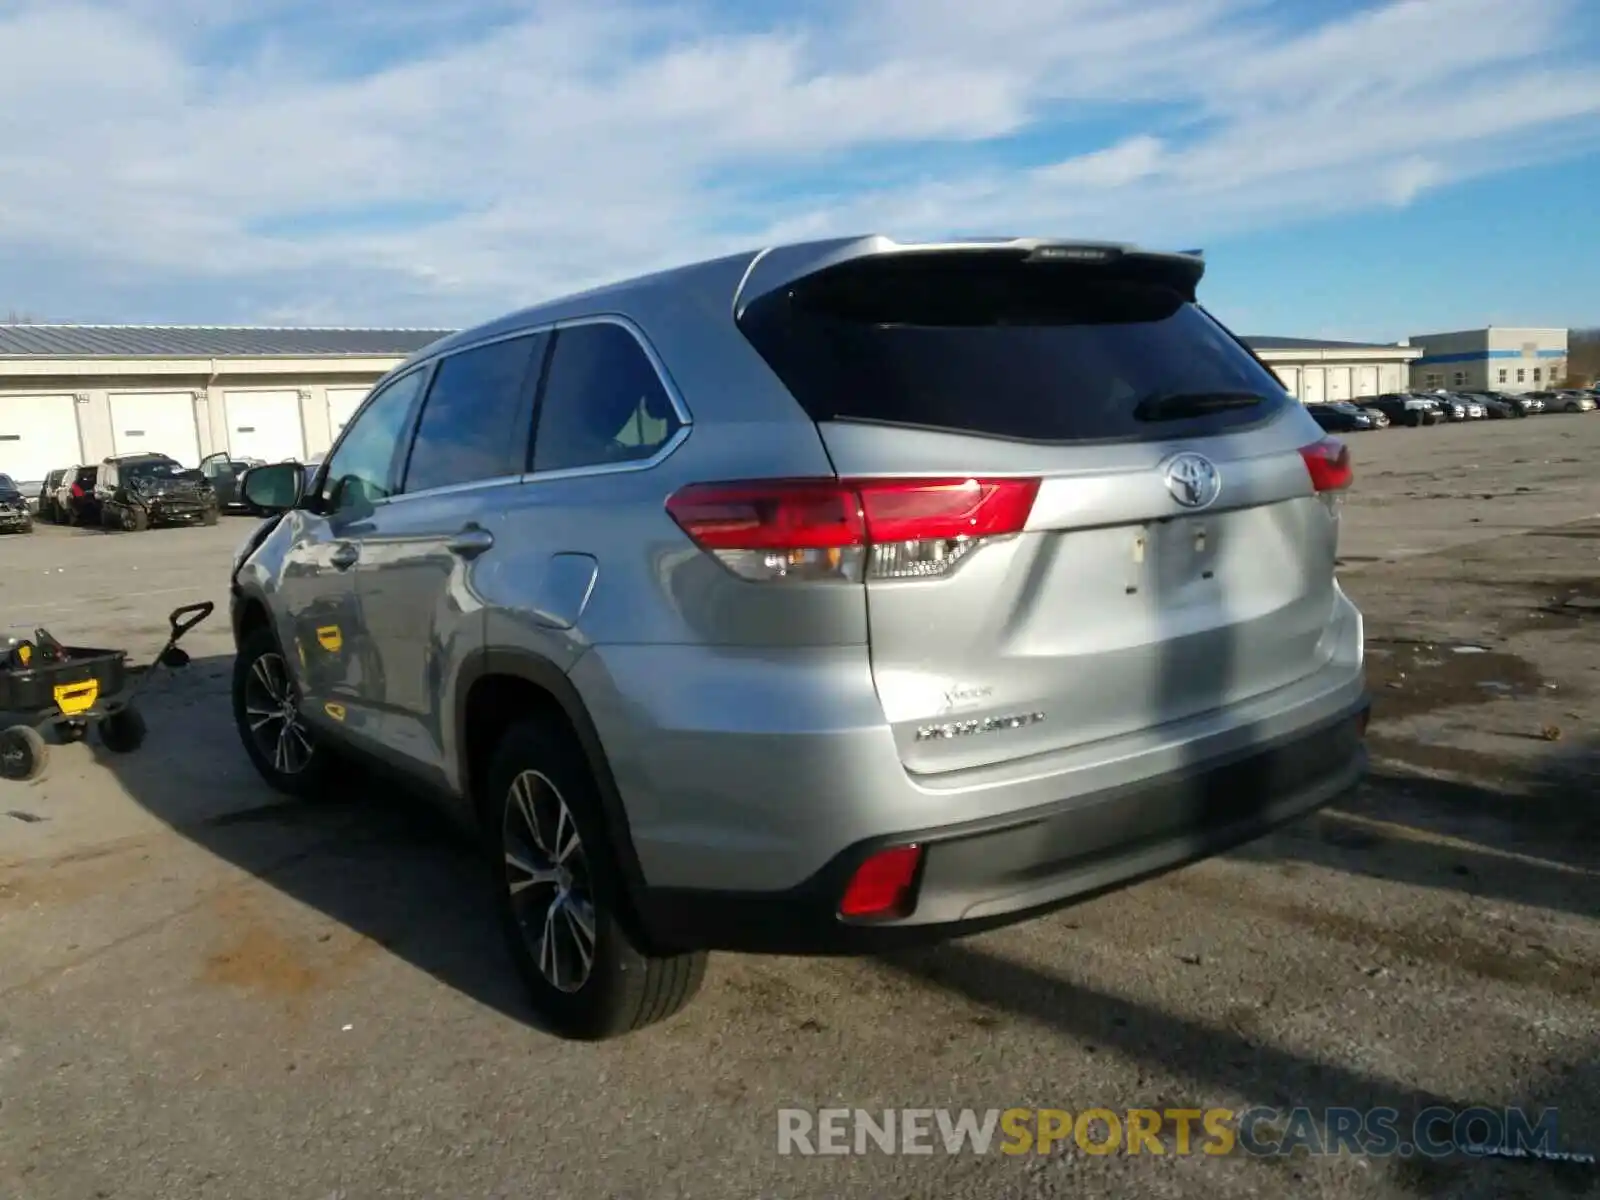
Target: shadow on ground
1227,1061
375,860
384,866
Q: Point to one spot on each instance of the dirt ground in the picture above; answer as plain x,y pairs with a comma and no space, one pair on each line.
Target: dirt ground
206,992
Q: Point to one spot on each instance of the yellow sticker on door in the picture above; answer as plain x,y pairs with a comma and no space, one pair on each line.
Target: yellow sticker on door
329,638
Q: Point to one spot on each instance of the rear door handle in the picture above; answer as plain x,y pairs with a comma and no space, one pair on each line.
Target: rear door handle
470,542
344,555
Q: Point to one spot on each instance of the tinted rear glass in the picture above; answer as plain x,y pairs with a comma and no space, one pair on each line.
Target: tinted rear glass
993,345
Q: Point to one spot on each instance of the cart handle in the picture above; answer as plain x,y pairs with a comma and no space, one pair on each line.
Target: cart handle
188,616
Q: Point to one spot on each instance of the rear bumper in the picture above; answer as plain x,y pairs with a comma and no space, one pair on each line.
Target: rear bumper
987,873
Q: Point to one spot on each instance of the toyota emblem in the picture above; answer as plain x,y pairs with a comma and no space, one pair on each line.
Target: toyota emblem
1193,480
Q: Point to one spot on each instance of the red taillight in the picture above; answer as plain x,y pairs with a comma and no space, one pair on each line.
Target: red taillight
883,885
845,529
1328,462
77,491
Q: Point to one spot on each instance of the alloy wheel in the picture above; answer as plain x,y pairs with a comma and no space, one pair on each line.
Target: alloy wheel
270,709
547,875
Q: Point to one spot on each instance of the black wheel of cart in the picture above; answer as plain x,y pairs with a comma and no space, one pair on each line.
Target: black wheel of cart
123,731
23,753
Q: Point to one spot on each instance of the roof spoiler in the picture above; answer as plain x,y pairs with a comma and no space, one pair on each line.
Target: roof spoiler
783,266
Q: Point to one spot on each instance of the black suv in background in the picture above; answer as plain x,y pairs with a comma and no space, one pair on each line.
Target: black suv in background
137,491
1406,408
15,515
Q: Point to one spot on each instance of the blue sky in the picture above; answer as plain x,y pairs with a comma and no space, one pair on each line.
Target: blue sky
1352,169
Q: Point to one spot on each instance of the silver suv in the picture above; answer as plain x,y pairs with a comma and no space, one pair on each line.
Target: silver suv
816,600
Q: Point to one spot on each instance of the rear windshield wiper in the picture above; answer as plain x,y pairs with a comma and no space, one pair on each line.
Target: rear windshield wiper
1175,406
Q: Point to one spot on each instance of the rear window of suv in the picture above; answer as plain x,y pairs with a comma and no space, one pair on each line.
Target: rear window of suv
992,344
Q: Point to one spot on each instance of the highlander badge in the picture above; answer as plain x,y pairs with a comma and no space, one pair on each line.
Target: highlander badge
955,729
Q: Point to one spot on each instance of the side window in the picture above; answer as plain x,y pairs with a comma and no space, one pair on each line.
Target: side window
475,420
363,468
603,402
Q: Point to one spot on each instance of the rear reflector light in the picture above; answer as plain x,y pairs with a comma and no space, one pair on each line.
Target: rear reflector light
77,490
1328,462
850,529
883,885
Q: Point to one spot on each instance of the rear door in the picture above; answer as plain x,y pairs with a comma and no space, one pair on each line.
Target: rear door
1176,557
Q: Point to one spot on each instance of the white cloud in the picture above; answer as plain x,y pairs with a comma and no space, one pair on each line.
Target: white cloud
188,151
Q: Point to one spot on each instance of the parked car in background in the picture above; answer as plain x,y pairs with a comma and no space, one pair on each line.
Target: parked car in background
1453,409
138,491
1339,416
1526,405
1403,408
47,508
1380,419
690,645
1565,402
78,498
224,473
15,515
1498,409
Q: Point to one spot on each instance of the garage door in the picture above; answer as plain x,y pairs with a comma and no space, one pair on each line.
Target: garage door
1290,377
38,434
342,405
264,425
1311,390
155,423
1338,383
1367,381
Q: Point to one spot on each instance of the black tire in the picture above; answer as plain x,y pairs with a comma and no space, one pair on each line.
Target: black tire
274,754
210,516
123,731
135,520
624,989
23,754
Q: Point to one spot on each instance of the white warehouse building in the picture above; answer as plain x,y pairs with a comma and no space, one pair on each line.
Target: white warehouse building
75,394
1315,372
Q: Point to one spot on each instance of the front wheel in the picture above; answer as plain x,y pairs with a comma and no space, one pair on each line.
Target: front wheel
559,893
266,712
210,516
23,753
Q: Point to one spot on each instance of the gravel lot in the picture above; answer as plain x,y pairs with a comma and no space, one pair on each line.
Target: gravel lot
207,993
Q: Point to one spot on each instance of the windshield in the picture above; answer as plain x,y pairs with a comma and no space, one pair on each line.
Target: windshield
6,485
154,470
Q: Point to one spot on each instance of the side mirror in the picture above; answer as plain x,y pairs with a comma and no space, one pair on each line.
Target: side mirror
273,489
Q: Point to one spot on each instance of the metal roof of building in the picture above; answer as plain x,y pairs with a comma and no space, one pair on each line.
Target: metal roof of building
1289,343
207,341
